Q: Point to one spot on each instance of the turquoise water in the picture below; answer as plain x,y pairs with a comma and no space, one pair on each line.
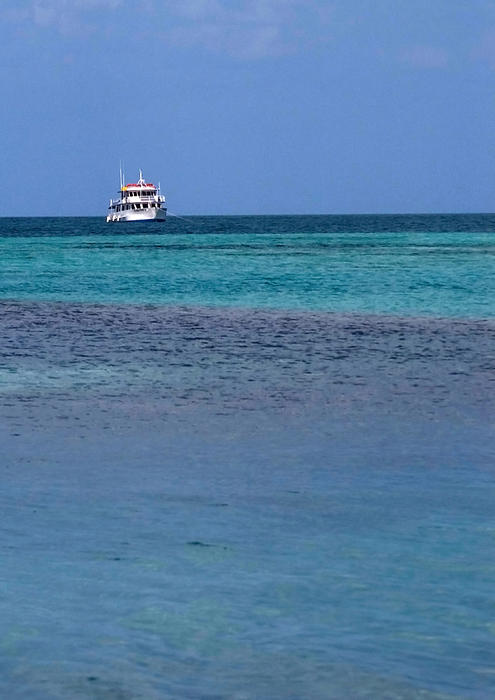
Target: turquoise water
247,458
293,263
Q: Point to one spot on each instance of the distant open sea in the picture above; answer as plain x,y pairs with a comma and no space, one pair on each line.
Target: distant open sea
248,458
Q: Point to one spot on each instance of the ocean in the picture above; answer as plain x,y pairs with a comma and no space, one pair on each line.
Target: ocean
248,458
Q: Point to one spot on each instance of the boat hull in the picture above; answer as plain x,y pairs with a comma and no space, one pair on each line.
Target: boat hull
145,215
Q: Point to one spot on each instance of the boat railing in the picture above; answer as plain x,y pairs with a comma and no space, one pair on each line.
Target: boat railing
138,200
142,198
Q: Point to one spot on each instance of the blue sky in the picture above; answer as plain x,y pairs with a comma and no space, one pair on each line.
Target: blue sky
261,106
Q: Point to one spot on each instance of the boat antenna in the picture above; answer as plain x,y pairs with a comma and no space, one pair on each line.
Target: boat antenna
121,175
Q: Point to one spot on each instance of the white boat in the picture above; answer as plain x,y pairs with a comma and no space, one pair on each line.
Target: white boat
138,201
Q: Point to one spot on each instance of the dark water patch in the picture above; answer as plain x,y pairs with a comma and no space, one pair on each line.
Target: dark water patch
151,361
198,543
304,247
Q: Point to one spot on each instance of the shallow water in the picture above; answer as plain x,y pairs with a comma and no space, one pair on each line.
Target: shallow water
210,502
406,266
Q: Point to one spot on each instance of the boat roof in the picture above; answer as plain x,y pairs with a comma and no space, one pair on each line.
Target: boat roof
138,184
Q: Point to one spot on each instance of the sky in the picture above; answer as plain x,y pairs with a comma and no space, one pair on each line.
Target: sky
249,106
